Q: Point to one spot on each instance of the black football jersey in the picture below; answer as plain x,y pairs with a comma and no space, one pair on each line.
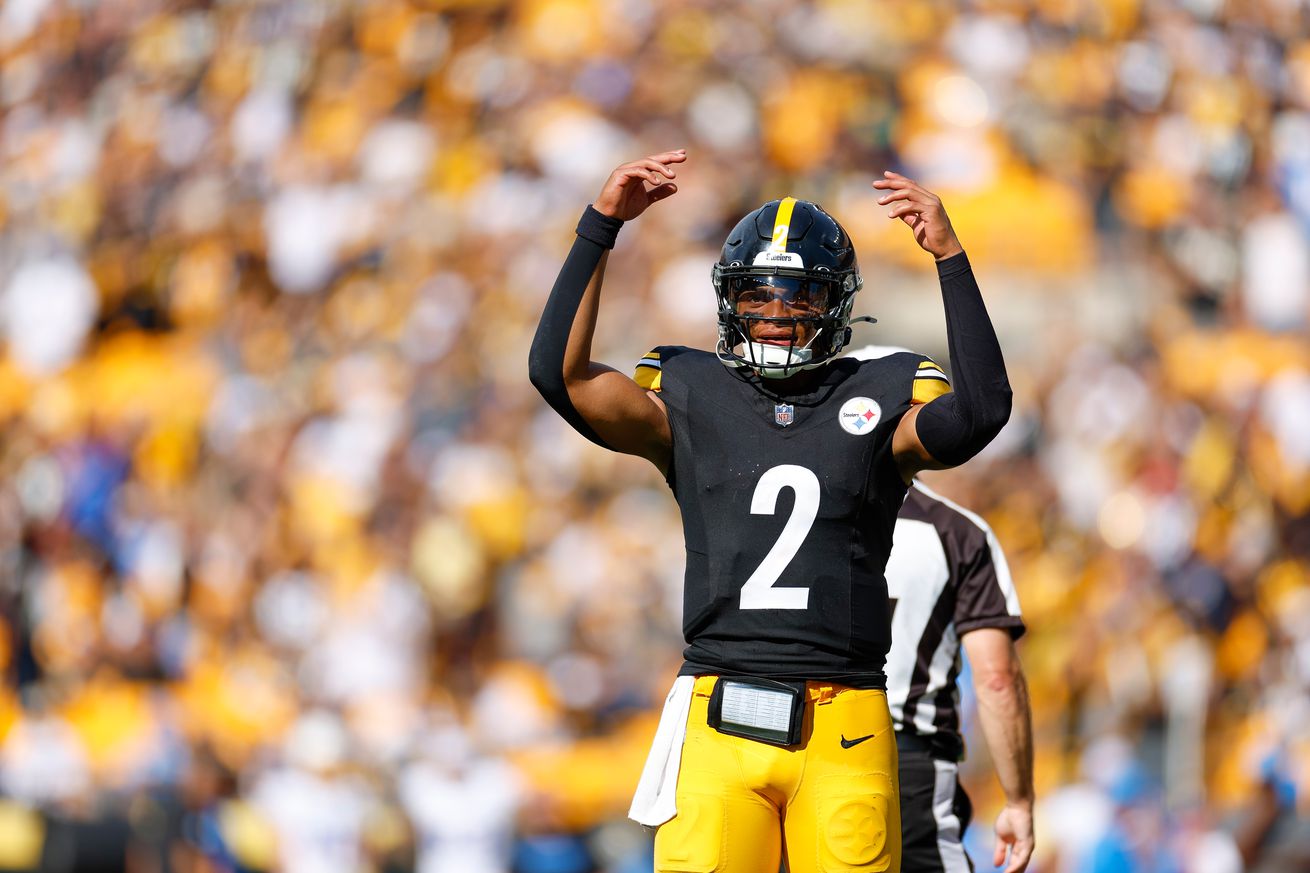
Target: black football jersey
788,507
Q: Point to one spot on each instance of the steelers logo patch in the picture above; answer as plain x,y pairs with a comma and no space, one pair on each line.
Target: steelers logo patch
859,415
857,833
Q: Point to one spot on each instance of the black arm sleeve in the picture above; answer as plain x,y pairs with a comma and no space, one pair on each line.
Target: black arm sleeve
956,426
546,359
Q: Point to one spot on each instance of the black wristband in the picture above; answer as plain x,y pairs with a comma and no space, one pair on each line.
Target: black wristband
953,266
599,228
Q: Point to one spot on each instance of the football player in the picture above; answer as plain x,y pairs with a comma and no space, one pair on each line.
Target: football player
789,464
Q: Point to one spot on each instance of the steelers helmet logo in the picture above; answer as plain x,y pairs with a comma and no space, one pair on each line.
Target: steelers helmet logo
859,415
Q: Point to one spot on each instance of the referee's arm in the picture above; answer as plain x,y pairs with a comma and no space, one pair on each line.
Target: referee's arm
1007,727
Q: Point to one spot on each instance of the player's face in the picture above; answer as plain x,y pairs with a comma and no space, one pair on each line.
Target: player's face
780,297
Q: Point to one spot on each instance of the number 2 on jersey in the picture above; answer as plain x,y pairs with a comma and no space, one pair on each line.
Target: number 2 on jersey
758,592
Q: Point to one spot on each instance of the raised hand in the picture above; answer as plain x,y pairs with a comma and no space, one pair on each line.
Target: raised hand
625,195
922,210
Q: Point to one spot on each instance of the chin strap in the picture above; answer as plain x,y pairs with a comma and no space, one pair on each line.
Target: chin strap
794,360
769,361
778,362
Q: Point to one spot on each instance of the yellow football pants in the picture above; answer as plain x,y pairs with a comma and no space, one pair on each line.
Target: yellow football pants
829,805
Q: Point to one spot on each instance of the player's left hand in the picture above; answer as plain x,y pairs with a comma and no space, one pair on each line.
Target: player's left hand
1014,829
922,210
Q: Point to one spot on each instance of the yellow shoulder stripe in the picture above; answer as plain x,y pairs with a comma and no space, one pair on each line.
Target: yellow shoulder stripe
926,389
648,378
648,372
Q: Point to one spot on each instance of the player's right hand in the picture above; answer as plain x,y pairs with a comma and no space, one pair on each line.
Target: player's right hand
1014,831
625,195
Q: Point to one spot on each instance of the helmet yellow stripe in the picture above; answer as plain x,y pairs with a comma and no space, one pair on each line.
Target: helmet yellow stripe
782,225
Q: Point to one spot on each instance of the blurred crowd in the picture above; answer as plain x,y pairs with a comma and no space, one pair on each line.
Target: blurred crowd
298,573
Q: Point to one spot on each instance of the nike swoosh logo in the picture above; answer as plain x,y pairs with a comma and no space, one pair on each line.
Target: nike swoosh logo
846,744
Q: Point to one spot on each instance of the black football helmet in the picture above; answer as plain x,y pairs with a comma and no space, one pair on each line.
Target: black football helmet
791,250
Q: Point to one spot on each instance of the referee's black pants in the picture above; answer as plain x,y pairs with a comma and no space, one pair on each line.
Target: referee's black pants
934,810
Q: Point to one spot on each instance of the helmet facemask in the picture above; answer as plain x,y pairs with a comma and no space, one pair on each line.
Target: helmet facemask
771,344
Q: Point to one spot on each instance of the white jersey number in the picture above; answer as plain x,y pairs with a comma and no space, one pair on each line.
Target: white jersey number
758,592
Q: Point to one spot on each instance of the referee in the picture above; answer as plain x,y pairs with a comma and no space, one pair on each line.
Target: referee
949,585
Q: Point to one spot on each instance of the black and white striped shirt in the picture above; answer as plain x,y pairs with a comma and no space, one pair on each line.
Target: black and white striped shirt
946,576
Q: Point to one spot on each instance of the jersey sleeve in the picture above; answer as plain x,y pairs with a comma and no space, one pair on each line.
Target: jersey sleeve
985,596
930,382
649,369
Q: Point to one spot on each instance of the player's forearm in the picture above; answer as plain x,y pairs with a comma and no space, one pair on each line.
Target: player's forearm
578,366
561,349
956,426
1006,719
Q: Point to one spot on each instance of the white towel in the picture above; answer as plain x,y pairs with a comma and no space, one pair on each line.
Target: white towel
655,800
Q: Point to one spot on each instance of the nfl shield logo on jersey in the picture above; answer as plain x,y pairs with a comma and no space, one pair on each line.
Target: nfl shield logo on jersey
784,414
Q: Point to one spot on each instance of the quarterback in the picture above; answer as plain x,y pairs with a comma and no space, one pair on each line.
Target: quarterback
789,464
